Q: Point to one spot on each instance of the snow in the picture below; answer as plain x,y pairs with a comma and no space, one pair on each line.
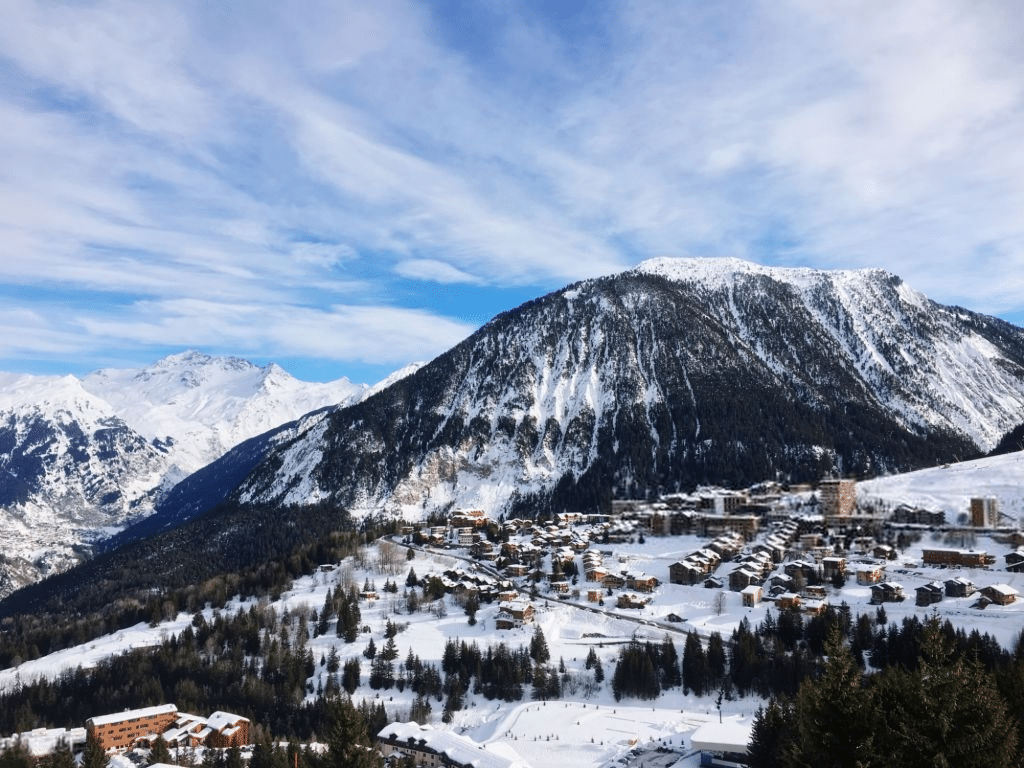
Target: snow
950,487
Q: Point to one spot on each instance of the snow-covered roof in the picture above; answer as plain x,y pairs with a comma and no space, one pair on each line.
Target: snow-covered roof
220,720
727,736
44,741
458,748
134,714
1003,589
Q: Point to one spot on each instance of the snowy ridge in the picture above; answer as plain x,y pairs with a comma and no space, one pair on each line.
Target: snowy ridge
678,372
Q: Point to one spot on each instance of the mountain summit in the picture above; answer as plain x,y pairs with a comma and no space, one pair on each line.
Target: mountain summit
81,457
678,372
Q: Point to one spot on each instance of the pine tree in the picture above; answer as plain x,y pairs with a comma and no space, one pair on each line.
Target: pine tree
716,661
159,752
348,742
950,712
695,665
668,664
539,646
16,756
93,756
350,675
835,717
771,739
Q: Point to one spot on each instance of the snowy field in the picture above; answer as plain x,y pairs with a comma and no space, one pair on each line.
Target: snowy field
950,487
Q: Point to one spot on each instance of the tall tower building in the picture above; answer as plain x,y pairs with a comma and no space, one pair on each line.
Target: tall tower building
985,512
837,499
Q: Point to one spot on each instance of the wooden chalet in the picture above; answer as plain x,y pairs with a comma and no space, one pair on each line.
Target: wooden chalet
929,594
751,595
870,574
959,587
886,592
1000,594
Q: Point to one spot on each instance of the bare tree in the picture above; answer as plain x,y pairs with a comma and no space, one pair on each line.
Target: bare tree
720,602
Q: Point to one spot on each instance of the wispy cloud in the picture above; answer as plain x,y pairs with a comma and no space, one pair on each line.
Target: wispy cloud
273,179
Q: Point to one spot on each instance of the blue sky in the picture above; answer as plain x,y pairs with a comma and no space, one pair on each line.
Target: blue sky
344,187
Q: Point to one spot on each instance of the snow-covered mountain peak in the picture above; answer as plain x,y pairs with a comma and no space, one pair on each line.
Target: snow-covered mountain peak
723,271
80,454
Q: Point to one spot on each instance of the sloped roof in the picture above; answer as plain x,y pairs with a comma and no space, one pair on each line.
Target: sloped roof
458,748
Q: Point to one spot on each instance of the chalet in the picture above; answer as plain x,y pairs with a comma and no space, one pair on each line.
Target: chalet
425,746
595,595
886,592
870,574
884,552
468,518
514,614
959,587
773,547
800,569
614,580
559,586
930,593
815,591
641,582
781,580
484,550
788,601
632,601
751,595
713,582
1015,561
741,578
714,525
813,607
125,730
727,545
833,566
1000,594
685,572
517,569
908,515
122,730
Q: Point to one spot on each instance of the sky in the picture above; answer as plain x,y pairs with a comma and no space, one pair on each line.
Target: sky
346,187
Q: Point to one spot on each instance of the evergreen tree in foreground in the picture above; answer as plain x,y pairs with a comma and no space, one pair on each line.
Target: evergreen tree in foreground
349,743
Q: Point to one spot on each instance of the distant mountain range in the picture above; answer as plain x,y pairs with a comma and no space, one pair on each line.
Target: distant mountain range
81,458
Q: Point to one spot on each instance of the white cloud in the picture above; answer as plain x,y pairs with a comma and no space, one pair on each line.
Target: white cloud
369,334
433,271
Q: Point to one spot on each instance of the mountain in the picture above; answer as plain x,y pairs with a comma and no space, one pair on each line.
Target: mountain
675,373
81,458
